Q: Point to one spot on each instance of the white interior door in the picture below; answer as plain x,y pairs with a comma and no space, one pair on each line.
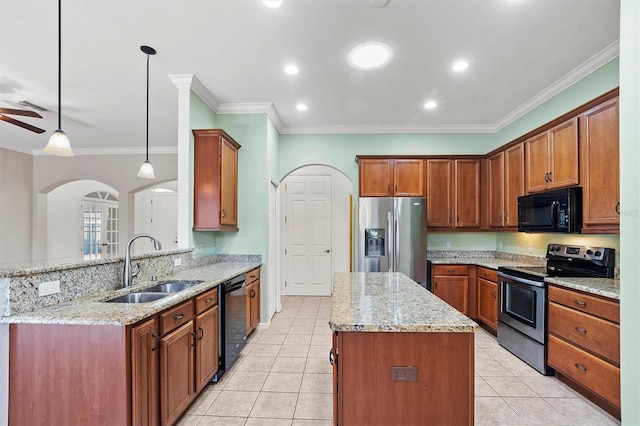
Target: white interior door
164,218
308,235
274,289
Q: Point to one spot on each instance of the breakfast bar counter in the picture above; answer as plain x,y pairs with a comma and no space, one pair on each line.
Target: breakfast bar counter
400,354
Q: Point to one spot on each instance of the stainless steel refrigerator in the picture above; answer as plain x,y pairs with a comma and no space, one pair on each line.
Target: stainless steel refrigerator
392,236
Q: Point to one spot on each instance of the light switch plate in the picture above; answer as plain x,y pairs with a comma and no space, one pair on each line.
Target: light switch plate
177,262
49,287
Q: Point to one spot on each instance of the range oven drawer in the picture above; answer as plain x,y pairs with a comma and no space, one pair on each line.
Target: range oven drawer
592,372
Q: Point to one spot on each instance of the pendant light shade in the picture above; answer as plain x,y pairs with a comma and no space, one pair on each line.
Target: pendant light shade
59,142
146,169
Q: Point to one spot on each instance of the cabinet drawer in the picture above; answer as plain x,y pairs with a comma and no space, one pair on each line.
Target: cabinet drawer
253,275
488,274
599,336
176,316
450,269
206,300
593,305
593,373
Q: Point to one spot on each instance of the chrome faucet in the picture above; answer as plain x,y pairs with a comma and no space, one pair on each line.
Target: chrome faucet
129,275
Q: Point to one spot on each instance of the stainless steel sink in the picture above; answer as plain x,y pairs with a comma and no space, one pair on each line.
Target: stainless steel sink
172,286
141,297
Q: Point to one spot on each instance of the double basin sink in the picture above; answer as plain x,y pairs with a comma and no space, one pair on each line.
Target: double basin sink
158,291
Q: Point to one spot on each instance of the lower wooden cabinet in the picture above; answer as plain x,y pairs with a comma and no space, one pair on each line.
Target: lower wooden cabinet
145,375
177,373
207,353
253,299
487,296
584,344
451,284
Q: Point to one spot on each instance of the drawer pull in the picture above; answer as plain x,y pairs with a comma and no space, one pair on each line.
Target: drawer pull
451,271
252,276
580,330
580,367
179,317
209,300
580,303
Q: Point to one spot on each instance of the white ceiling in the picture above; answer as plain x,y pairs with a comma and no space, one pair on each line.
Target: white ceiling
520,53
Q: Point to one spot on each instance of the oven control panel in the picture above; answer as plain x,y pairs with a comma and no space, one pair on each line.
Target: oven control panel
577,252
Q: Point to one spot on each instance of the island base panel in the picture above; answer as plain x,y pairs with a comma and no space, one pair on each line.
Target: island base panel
367,393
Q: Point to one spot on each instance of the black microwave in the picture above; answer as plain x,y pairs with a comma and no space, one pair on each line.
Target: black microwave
558,210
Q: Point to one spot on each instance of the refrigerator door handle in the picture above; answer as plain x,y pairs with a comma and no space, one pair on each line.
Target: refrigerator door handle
389,229
396,240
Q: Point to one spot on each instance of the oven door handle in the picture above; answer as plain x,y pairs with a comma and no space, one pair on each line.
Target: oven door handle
554,214
519,280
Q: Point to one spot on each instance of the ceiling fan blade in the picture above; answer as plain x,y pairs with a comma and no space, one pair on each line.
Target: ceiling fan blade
23,112
21,124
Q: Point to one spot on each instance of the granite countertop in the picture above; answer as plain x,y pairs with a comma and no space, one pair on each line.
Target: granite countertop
487,262
606,287
91,310
391,302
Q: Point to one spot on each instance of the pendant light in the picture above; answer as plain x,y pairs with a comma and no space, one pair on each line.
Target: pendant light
146,170
59,142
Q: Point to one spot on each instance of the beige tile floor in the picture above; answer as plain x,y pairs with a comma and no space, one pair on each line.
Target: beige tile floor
284,378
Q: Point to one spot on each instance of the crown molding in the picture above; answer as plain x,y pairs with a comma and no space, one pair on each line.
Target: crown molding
113,151
191,81
254,108
590,65
406,128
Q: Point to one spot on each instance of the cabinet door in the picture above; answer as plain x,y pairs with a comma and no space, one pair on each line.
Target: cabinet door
513,183
376,177
495,166
537,163
563,150
488,302
467,193
207,355
229,184
408,178
255,305
454,290
145,347
177,372
439,193
600,164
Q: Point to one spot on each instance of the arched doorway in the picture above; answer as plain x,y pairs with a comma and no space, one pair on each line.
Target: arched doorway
316,226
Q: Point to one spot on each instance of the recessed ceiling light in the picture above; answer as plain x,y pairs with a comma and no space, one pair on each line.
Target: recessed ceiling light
302,107
460,66
430,105
273,4
371,55
291,69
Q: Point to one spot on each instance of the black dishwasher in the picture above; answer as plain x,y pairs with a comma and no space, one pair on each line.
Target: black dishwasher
233,323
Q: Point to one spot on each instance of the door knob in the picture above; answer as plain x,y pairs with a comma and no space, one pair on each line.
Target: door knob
327,251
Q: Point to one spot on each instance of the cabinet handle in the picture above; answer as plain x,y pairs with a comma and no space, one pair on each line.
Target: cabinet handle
193,335
580,367
388,188
332,358
580,303
501,216
618,208
435,285
580,330
179,317
550,177
156,342
506,217
395,188
209,300
451,271
495,295
546,177
457,218
449,218
253,293
224,213
201,333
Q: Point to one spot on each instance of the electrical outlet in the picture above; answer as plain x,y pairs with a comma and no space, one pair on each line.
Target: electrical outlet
530,248
177,262
448,244
48,288
499,245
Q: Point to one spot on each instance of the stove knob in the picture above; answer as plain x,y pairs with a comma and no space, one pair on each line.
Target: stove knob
590,252
598,253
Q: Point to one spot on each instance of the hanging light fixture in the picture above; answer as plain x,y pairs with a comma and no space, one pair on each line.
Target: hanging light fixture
59,142
146,170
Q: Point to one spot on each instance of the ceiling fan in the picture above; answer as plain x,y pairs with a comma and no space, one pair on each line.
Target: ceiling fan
23,112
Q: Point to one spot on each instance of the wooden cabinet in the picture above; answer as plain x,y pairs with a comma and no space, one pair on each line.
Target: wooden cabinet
206,349
505,183
145,345
451,284
391,177
584,343
600,167
253,299
453,192
367,392
215,181
551,158
487,296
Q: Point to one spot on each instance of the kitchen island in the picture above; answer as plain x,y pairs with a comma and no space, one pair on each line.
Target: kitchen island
400,354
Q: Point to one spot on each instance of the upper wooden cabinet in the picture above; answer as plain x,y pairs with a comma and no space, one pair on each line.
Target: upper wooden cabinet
600,168
505,184
215,181
385,177
453,193
551,158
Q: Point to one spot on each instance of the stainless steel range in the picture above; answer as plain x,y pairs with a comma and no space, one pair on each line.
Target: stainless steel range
522,297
